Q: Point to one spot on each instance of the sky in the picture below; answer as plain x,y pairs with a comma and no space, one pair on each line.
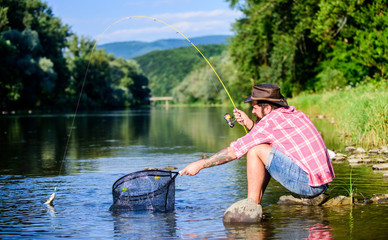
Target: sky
107,20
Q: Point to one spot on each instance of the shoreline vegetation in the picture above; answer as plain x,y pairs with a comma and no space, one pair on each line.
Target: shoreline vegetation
360,114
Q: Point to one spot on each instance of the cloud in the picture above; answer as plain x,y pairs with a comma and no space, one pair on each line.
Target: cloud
191,24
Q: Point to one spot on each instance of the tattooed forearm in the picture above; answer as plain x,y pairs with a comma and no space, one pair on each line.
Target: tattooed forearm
219,158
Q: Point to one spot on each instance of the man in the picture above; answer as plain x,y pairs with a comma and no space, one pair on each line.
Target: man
282,143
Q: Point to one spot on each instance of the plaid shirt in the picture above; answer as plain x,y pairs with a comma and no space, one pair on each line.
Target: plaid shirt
291,132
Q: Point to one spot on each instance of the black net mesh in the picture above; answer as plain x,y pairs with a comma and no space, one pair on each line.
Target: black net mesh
145,190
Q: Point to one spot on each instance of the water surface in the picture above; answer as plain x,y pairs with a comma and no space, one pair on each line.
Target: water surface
107,145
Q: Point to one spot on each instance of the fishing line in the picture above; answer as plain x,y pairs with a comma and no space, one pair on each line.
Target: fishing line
199,56
49,201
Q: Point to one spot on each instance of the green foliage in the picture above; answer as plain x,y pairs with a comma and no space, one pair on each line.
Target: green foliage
202,85
109,83
33,70
301,45
34,73
353,38
361,113
272,44
166,69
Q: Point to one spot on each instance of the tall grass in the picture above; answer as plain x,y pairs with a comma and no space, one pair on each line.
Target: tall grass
360,113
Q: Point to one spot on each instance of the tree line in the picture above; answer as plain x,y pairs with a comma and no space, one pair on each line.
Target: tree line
303,46
43,64
311,45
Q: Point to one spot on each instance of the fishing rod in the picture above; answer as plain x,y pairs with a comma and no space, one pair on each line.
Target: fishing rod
228,119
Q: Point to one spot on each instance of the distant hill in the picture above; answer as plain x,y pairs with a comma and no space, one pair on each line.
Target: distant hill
167,68
134,49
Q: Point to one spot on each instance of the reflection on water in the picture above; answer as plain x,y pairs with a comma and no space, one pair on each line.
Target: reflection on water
153,225
107,145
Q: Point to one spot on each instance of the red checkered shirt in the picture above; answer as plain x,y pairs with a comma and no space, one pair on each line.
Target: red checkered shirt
291,132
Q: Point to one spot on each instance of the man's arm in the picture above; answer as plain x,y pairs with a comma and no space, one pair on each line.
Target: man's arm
223,156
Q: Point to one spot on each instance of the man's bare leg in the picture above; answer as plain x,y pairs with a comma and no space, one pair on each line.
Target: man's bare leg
258,177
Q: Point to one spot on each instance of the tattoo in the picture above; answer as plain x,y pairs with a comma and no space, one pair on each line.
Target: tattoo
219,158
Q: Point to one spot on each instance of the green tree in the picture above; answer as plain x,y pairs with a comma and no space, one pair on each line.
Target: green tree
106,82
166,69
310,45
353,38
273,44
34,71
202,85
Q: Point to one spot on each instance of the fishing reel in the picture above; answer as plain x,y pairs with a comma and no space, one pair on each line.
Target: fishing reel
229,120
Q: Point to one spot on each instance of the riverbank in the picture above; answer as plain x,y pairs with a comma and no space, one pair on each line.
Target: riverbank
359,114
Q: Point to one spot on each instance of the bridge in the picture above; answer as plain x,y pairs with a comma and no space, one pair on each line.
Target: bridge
154,99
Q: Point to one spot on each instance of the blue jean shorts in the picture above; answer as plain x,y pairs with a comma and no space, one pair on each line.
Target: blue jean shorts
284,170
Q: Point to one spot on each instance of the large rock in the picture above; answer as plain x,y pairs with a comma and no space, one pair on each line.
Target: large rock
338,201
291,200
244,211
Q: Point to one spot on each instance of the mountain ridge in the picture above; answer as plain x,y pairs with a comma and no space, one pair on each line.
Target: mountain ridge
132,49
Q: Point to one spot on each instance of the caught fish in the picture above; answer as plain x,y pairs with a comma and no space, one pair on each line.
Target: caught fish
50,200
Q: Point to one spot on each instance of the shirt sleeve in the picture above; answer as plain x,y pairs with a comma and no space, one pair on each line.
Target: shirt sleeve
258,135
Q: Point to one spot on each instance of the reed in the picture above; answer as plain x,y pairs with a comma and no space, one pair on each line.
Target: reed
360,113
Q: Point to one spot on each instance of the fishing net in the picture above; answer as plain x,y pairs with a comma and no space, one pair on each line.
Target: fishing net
145,190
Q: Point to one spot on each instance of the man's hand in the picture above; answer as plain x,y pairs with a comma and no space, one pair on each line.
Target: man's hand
242,118
223,156
193,168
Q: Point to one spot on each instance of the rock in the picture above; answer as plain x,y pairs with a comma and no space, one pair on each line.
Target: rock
339,157
383,150
380,198
331,154
355,160
381,160
349,149
373,152
359,150
244,211
338,201
315,201
385,176
358,156
169,168
150,168
382,166
291,200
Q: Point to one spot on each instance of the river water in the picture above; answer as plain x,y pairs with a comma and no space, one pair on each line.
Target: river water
107,145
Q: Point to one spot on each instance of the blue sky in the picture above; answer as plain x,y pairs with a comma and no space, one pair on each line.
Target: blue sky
193,18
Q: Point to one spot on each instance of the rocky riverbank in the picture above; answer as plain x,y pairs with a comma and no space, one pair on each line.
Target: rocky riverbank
376,158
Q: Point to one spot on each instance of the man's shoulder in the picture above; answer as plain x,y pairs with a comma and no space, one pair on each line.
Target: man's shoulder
287,113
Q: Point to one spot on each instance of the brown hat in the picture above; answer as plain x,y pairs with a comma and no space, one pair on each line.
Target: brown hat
267,93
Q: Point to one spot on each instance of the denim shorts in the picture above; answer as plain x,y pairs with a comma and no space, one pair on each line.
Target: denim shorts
284,170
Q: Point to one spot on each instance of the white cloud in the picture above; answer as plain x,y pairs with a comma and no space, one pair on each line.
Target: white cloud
191,24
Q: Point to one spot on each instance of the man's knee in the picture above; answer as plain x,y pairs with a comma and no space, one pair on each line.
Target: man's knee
259,152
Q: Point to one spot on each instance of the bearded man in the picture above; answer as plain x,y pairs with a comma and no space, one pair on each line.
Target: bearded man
282,143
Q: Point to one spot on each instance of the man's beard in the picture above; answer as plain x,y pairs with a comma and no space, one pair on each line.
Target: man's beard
258,119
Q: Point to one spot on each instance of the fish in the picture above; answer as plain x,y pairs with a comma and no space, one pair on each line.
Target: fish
50,200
